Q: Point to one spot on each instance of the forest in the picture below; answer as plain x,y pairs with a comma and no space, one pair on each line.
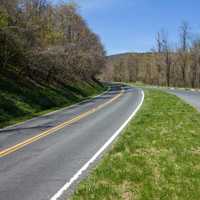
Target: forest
49,58
47,43
166,64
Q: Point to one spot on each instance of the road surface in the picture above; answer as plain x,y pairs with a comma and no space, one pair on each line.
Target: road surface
39,156
191,97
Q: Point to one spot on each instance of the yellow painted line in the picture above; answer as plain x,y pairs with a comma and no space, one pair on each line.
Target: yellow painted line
26,142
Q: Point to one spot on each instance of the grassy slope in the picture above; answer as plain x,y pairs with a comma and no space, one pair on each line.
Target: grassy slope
157,157
21,101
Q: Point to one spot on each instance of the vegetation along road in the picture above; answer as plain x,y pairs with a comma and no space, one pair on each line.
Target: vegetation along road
55,55
157,156
191,97
39,156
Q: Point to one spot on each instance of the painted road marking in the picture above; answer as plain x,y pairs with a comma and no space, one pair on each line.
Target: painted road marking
31,140
97,154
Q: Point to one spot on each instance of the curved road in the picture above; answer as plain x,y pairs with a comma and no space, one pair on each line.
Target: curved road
39,156
191,97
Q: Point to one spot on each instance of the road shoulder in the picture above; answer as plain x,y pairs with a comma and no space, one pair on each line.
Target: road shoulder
157,156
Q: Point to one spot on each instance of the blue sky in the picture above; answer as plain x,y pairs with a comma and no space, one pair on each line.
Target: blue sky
131,25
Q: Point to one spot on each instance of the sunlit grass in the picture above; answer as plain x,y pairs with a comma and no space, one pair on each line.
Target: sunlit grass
157,157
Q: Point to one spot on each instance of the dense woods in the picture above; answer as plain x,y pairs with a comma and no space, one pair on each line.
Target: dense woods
49,58
166,65
47,43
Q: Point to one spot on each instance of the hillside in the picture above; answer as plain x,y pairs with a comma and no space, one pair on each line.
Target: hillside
49,58
24,99
125,55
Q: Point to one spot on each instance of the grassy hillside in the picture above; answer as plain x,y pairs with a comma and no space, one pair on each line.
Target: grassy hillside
157,157
23,99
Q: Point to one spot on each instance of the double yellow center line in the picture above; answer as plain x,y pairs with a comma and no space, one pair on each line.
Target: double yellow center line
31,140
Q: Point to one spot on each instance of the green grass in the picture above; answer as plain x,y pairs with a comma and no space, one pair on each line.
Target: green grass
20,101
157,157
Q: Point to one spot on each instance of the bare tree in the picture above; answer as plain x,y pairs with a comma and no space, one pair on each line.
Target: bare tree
159,42
183,50
195,66
167,58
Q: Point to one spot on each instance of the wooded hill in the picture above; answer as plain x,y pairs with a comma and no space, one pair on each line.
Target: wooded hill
49,58
165,65
47,43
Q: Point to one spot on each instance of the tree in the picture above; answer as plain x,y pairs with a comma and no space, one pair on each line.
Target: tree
183,50
195,66
163,57
45,42
167,58
3,18
159,42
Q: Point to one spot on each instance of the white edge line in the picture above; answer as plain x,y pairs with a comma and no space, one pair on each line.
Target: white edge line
97,154
58,110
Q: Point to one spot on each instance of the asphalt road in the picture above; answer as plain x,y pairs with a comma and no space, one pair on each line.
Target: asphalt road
191,97
37,168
